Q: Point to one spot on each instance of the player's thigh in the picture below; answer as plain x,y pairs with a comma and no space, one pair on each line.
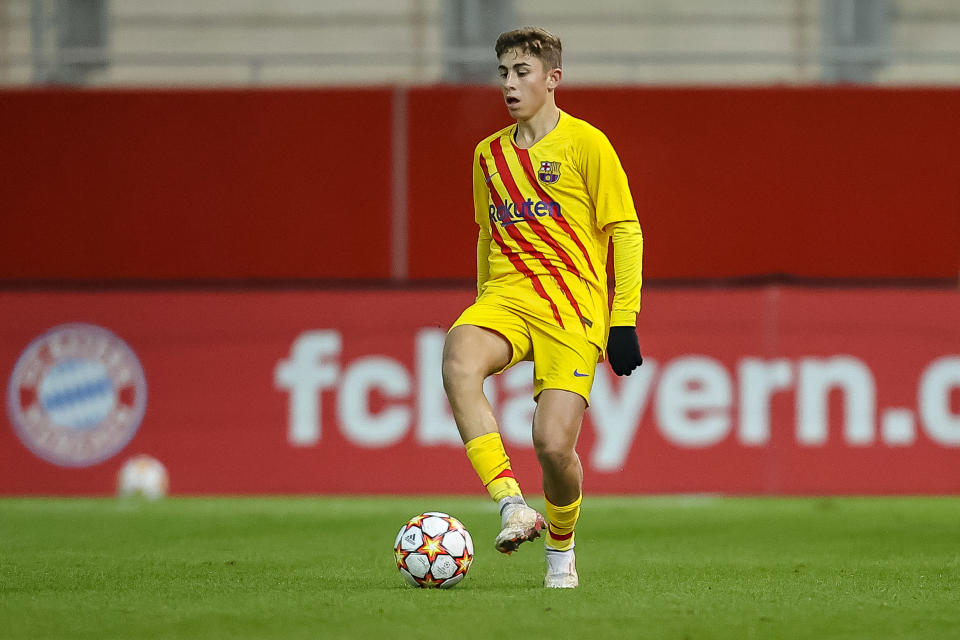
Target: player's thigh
484,340
472,350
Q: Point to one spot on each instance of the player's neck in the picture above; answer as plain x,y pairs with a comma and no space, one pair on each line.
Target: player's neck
530,131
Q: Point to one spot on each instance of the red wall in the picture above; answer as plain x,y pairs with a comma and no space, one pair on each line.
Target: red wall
297,183
198,184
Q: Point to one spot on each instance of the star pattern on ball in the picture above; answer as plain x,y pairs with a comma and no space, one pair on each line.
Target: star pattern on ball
432,547
428,581
463,562
417,521
401,557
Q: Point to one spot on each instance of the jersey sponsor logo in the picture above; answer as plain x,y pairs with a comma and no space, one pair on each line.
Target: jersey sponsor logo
511,212
77,395
549,172
577,374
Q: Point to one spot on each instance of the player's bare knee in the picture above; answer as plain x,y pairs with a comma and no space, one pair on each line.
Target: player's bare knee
458,371
554,455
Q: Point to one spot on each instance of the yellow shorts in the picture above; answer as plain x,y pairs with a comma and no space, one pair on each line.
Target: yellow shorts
561,359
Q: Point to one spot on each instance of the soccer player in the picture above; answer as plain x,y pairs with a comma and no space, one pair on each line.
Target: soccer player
549,194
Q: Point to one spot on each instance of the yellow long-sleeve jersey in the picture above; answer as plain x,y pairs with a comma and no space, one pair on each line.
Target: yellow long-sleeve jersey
546,216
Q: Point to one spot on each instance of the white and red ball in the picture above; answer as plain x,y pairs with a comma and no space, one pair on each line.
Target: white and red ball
433,550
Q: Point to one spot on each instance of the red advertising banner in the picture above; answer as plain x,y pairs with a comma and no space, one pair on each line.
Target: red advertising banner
774,390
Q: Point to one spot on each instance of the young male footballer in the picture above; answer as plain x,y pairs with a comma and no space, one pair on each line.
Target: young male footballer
549,194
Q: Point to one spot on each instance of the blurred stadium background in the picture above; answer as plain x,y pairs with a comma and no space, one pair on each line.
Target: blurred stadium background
416,42
234,232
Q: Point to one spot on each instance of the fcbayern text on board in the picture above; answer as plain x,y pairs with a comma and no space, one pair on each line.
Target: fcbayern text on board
692,400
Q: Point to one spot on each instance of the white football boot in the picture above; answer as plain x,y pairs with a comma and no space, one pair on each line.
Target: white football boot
519,523
561,569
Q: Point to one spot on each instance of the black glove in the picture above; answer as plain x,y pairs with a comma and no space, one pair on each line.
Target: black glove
623,350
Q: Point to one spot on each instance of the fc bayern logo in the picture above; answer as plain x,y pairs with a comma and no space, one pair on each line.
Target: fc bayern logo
77,395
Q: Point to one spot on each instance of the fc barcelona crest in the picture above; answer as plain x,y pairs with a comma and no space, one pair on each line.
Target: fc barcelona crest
549,172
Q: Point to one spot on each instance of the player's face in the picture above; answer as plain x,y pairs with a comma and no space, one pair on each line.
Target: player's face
526,85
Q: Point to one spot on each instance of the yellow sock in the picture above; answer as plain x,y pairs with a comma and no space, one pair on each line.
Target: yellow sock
490,461
561,521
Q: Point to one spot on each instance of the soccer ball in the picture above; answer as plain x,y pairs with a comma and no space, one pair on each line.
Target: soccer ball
143,475
433,550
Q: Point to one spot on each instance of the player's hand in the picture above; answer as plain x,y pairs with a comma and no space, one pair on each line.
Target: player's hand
623,350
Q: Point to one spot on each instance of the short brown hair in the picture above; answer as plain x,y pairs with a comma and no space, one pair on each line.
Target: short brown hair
534,41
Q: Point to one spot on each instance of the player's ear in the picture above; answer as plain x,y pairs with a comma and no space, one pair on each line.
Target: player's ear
553,78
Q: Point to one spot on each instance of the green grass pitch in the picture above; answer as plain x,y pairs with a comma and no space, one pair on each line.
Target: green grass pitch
318,567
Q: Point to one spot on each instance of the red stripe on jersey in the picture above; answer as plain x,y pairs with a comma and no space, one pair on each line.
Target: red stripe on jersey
497,149
514,259
559,536
524,157
506,473
525,270
541,230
